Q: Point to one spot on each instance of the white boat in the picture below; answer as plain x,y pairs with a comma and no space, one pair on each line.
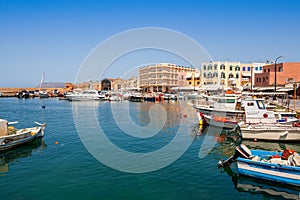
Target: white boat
136,97
261,124
169,96
281,167
86,95
223,105
11,137
253,111
272,132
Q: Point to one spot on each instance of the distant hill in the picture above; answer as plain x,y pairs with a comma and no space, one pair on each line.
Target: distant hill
53,85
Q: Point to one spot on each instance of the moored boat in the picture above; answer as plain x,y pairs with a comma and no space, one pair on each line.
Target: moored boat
282,167
271,132
86,95
252,112
11,137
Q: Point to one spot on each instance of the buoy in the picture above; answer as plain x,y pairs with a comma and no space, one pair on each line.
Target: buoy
200,121
56,142
43,107
255,140
185,115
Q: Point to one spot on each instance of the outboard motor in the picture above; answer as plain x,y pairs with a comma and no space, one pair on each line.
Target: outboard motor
241,151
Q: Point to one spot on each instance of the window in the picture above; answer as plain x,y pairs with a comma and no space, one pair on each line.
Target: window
256,68
257,80
267,78
204,67
244,69
237,75
280,69
249,69
269,70
222,66
230,67
250,104
222,75
209,67
190,83
209,75
216,74
260,105
265,70
260,68
215,66
237,68
204,75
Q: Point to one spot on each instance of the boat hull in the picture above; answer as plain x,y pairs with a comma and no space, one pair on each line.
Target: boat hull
269,171
22,137
218,123
271,133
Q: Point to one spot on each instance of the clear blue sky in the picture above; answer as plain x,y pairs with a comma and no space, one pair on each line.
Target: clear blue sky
56,36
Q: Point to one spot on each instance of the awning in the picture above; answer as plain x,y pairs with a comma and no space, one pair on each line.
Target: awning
211,87
184,88
197,75
189,75
285,89
267,88
246,74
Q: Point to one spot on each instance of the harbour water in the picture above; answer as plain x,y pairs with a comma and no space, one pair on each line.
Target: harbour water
60,167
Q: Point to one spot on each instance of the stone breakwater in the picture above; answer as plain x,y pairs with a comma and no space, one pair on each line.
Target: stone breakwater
11,92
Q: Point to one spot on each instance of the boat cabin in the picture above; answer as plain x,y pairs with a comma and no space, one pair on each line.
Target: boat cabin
256,111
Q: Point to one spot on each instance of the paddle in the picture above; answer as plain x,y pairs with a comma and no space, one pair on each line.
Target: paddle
11,123
40,124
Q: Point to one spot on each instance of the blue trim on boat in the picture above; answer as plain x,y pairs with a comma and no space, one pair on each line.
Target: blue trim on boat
271,166
269,177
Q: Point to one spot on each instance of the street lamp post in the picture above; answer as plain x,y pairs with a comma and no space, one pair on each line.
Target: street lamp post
276,73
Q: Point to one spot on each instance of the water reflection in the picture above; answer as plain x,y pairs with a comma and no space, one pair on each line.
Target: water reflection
21,152
257,186
272,146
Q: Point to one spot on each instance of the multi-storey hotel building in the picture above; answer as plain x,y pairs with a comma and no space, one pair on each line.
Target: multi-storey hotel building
163,76
229,73
221,73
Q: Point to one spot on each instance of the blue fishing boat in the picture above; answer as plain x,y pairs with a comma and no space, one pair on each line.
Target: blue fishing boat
282,167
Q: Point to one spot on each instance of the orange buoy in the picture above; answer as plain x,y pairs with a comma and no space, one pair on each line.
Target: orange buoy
56,142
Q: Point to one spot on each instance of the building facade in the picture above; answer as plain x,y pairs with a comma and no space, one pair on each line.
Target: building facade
287,72
248,71
222,73
163,76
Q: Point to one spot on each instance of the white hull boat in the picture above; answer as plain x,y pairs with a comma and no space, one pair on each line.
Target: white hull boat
11,137
273,132
86,95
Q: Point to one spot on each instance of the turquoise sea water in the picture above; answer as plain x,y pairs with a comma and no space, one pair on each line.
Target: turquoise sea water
60,167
